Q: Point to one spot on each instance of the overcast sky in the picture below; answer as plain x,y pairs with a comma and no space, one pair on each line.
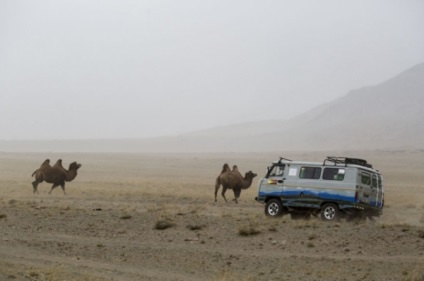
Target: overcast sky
118,69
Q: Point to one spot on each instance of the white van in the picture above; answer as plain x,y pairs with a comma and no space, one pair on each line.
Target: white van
337,187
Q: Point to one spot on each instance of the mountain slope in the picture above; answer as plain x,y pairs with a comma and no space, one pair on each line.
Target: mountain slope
389,115
386,116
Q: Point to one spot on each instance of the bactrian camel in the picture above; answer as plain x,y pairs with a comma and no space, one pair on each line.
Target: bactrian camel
232,179
57,175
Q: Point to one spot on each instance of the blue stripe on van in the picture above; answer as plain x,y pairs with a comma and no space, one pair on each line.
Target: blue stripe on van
310,194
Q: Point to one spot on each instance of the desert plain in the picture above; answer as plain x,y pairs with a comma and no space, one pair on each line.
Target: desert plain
153,217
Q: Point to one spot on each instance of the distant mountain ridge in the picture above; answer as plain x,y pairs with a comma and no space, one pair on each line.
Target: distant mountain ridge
385,116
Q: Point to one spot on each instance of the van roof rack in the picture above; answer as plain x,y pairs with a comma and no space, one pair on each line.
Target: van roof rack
281,158
347,160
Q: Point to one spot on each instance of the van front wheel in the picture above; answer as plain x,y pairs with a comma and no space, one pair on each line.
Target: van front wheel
330,212
273,208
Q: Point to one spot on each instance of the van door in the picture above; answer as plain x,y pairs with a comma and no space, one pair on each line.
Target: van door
272,184
366,193
379,195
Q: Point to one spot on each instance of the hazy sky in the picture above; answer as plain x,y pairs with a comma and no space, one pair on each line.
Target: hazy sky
108,69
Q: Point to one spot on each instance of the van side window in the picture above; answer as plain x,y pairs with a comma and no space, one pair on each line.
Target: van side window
310,173
374,180
366,178
335,174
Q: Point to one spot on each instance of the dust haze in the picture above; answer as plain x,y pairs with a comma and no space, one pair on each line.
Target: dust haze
135,69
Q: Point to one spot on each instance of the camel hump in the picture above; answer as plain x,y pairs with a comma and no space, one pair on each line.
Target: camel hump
58,163
225,168
46,162
236,171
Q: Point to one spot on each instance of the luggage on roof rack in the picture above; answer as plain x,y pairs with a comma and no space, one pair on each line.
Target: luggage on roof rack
347,160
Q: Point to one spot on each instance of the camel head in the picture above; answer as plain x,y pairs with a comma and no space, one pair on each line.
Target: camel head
72,172
248,179
250,175
74,166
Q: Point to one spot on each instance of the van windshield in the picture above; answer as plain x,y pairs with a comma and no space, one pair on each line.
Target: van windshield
276,171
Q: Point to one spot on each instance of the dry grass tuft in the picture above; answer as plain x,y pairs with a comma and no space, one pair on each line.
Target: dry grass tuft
415,275
312,237
195,227
310,245
125,217
249,229
163,224
54,274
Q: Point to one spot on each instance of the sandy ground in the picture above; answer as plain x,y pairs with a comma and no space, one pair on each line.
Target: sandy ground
152,217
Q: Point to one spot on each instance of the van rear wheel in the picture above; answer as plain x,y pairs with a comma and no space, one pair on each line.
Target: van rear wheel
273,208
330,212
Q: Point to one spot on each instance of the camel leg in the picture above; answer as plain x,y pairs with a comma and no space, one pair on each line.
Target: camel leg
236,194
217,186
224,189
35,185
216,191
63,188
53,187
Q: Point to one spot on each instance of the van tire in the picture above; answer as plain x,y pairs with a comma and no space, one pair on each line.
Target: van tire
273,208
330,212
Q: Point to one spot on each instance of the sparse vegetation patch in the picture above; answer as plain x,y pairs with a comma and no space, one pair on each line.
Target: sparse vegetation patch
126,217
312,237
248,230
310,245
163,224
195,227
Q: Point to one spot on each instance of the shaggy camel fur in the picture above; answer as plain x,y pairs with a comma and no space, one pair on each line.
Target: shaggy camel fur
232,179
57,175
